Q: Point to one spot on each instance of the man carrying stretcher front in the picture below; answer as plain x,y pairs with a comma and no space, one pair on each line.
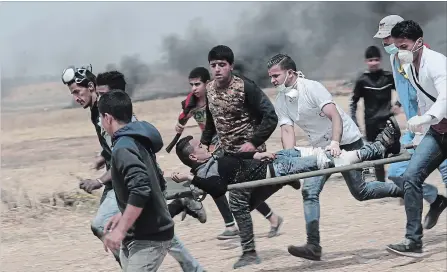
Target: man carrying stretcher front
213,175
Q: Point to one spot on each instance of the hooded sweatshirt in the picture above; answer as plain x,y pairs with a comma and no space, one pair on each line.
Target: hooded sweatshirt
138,182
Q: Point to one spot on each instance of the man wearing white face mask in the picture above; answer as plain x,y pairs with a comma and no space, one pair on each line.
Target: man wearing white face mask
409,103
309,105
427,72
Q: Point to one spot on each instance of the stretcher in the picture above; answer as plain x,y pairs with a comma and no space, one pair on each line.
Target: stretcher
178,190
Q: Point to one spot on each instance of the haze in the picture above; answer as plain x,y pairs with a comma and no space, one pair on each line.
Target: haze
327,39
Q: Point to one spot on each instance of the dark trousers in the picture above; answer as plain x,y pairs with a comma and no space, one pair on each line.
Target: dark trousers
373,129
242,202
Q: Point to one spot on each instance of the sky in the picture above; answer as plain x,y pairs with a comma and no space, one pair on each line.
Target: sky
326,39
43,37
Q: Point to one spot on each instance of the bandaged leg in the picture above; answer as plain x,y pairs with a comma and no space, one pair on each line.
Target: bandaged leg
323,161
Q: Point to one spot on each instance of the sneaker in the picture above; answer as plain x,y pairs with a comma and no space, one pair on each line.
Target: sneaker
247,258
195,209
308,251
436,208
274,230
390,136
406,248
228,234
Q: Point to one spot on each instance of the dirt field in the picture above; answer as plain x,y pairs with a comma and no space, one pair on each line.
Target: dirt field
42,152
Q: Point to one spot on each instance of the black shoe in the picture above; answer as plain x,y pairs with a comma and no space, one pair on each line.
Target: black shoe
308,251
274,230
295,184
406,248
194,209
228,234
390,136
247,258
436,209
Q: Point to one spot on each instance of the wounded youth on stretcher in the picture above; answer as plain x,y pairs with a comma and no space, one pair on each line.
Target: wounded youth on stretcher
250,166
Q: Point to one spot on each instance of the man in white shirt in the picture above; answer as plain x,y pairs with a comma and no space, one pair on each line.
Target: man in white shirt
409,103
309,105
427,72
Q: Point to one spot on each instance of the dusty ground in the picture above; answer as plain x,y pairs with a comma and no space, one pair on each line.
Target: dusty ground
43,151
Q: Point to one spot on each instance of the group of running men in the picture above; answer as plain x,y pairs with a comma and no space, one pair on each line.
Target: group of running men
237,118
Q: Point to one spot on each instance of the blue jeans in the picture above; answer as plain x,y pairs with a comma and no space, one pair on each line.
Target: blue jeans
359,189
109,207
430,153
398,168
289,162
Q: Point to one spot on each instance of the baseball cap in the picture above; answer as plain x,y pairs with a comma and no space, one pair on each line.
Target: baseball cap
386,24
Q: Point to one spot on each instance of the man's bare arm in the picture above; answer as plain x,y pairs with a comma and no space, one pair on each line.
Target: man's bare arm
330,110
288,137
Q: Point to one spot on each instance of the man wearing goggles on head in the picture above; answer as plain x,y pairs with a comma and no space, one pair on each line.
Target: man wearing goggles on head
86,89
82,85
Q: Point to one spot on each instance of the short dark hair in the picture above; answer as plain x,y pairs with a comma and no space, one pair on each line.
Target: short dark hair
183,149
200,72
407,29
221,52
114,79
372,52
284,61
118,104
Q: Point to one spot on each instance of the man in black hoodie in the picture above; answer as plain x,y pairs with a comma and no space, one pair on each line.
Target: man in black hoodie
144,228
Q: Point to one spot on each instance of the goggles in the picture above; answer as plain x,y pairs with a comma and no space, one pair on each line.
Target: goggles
75,75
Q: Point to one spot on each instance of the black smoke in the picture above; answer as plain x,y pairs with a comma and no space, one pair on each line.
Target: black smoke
326,39
136,72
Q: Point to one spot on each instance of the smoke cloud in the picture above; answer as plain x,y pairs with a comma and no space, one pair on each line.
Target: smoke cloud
326,39
136,72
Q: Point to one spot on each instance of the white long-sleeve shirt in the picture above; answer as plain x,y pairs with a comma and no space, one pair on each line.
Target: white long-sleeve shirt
433,80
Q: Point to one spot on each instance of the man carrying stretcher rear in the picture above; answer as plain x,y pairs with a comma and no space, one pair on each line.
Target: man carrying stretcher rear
213,175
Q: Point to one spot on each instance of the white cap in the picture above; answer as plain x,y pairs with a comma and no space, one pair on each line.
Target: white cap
386,24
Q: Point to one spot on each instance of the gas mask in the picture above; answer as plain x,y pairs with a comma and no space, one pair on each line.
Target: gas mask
290,91
391,49
407,56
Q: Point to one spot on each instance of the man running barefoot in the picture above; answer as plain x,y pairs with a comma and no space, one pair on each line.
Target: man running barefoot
213,175
240,114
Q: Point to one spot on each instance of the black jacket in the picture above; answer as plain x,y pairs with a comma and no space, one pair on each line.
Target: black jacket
106,153
138,182
375,88
216,174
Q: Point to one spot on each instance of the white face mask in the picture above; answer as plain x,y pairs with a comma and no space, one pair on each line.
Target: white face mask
407,56
283,88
